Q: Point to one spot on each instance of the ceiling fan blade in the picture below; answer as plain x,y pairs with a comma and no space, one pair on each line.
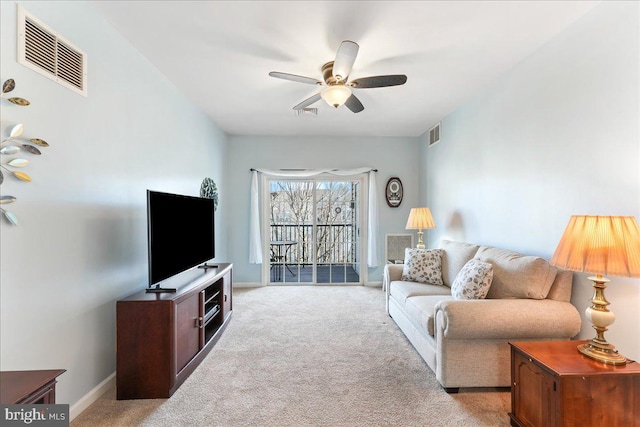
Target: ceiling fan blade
315,98
295,78
354,104
379,81
345,58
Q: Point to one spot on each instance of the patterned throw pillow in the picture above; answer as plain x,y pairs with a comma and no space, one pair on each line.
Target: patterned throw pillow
423,265
473,280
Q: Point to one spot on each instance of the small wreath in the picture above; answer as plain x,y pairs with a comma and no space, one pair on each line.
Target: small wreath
208,190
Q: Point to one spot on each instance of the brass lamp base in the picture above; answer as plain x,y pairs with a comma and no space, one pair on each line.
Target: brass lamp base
606,354
420,244
598,348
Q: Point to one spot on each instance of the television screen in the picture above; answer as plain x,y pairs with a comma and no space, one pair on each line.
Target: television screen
180,233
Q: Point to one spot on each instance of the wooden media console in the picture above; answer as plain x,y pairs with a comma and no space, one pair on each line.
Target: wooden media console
162,337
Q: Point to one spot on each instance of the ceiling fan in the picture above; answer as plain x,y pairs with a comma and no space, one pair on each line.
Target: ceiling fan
335,74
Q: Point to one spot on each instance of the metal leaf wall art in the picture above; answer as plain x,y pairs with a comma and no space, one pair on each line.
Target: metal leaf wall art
13,145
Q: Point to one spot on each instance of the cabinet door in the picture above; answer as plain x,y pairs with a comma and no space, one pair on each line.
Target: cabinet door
533,390
226,290
188,324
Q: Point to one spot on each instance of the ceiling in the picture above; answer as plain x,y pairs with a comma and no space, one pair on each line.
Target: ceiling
219,53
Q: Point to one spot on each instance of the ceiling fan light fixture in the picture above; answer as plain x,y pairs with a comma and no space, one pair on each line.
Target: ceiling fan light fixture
335,75
336,95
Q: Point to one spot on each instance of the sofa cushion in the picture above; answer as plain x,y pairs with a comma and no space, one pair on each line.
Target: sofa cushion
455,256
516,275
420,310
400,290
562,284
473,281
423,266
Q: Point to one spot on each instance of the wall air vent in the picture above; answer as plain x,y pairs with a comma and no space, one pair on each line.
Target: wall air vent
46,52
434,134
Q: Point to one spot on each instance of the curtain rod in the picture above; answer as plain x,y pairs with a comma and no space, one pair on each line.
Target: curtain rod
252,169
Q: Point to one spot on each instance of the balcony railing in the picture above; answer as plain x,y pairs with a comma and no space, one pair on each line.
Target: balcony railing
334,243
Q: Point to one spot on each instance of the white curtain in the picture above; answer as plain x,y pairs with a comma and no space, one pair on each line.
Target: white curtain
255,246
255,241
372,247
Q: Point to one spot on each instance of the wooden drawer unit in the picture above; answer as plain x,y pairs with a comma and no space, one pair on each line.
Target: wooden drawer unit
552,384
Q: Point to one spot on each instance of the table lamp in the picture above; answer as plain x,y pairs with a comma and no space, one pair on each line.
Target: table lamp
420,218
600,245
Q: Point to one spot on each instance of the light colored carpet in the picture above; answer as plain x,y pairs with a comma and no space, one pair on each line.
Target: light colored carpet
308,356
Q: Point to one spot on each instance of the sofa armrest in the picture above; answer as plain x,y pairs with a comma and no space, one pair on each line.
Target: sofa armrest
507,319
393,272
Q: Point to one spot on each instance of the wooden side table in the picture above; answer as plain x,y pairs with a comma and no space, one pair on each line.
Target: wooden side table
552,384
29,387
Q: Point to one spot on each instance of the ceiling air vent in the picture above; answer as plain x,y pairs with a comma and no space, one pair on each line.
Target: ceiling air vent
307,112
434,135
46,52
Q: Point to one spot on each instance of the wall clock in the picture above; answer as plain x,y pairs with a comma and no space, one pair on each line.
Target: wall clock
393,192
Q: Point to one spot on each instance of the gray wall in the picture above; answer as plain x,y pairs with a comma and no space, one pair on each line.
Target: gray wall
81,241
391,156
557,136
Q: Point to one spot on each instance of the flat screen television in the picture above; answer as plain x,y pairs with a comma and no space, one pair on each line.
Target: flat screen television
181,235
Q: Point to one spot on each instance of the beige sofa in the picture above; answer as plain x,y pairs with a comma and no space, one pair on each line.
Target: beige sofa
465,341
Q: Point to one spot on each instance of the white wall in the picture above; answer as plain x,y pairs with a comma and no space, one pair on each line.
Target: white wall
559,135
81,241
391,156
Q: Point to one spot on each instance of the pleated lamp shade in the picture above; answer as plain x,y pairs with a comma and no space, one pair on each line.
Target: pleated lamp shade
420,219
606,245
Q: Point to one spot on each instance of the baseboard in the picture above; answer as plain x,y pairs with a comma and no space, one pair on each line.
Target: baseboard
374,284
247,285
93,395
260,285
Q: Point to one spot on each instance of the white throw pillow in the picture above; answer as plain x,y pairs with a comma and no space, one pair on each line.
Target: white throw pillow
473,280
423,265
